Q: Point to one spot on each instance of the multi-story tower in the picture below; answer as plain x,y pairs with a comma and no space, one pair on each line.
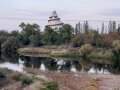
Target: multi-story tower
54,21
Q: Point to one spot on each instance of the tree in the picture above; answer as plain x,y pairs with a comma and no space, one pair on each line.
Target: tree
85,50
118,30
103,28
66,33
14,33
78,28
78,40
112,26
4,35
10,46
93,36
49,36
35,40
86,27
28,32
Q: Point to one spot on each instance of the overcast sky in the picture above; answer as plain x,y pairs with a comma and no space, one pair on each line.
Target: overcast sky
13,12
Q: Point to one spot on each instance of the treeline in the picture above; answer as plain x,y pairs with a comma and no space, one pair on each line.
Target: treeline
83,34
9,42
31,35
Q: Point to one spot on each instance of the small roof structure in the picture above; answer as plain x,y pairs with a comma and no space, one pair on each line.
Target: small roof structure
54,14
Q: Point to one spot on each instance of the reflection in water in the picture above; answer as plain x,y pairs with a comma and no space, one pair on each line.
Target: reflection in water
115,68
60,62
86,65
15,67
102,71
42,67
19,63
73,69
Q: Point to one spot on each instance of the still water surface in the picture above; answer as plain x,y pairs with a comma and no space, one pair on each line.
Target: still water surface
19,63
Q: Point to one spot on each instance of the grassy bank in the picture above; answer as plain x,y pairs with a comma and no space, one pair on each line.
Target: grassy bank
66,55
33,50
97,53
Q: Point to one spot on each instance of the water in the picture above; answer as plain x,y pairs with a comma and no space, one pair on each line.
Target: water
19,63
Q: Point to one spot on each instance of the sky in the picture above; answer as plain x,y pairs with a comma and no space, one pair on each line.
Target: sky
13,12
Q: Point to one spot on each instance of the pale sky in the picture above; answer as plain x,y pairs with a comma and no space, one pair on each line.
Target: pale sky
13,12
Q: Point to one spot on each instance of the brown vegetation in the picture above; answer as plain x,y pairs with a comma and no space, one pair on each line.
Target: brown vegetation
20,81
69,81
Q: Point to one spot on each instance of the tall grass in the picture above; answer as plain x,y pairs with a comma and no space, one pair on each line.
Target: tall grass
34,50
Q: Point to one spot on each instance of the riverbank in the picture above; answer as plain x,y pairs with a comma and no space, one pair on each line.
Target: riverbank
97,53
12,80
82,81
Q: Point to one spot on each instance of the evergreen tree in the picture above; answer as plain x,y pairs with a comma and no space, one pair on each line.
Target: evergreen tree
118,29
103,28
86,27
79,27
76,29
112,26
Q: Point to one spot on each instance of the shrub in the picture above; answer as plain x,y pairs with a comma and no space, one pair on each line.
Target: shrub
2,75
26,80
10,46
116,48
16,77
85,50
50,86
116,43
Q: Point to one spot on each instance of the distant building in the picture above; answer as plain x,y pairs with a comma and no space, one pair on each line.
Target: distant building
54,21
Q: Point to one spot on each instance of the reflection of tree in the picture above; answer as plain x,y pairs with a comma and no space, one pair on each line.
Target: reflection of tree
50,64
35,62
115,68
32,62
86,64
100,67
77,65
26,61
1,60
13,58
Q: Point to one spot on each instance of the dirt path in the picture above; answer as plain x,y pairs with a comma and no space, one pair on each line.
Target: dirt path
110,82
69,81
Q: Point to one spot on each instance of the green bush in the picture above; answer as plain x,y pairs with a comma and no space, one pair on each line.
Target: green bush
50,86
85,50
26,81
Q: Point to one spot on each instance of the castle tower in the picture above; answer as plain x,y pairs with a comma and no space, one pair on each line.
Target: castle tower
54,21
